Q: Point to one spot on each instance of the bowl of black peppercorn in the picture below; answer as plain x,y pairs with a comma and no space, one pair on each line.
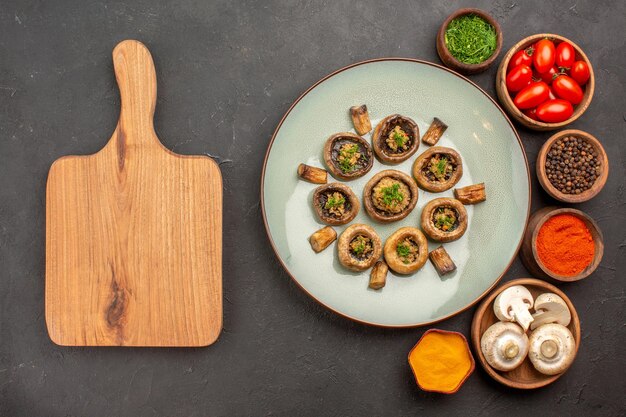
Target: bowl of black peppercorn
572,166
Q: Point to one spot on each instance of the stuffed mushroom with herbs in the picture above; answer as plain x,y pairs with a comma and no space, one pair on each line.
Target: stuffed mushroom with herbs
389,196
359,247
438,169
335,203
406,250
348,156
444,219
395,139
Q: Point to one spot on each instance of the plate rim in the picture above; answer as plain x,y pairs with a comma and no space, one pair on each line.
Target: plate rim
264,214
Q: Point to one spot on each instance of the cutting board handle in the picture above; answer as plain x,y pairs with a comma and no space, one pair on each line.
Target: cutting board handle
136,78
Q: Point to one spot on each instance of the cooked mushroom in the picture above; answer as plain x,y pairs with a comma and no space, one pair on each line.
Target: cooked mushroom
406,250
434,132
550,308
395,139
442,261
359,247
504,345
472,194
348,156
360,119
321,239
438,169
335,203
513,304
552,349
378,276
312,174
389,195
444,219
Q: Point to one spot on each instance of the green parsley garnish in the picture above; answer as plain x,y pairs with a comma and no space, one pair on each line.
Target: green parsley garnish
443,221
392,195
439,168
470,39
403,250
359,245
347,154
334,202
399,139
359,248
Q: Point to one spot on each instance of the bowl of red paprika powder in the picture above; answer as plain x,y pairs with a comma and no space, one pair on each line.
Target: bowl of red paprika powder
563,244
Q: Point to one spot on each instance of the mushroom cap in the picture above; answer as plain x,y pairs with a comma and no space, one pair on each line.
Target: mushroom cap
368,190
343,251
352,199
424,158
502,306
550,308
438,235
333,165
383,128
390,250
504,345
552,349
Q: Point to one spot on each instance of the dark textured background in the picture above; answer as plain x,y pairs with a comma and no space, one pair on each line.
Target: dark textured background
227,72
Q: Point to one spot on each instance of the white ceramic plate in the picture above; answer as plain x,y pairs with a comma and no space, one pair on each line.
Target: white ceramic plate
477,129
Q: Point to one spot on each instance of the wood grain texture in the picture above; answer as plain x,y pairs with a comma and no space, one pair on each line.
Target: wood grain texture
525,376
134,233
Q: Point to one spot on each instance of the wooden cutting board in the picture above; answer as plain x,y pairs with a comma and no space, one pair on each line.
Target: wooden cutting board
134,233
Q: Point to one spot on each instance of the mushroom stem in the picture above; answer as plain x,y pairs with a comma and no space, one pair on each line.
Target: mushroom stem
510,350
360,119
378,276
549,349
312,174
521,313
471,194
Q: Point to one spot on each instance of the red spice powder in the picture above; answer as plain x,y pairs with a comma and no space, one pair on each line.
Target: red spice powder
565,245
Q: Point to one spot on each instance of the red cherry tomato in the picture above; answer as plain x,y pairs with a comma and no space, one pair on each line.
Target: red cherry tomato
543,57
531,113
555,111
521,57
580,72
565,55
532,95
547,76
518,78
566,88
551,95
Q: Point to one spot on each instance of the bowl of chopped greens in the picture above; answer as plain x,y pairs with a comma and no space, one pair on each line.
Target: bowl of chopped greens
469,41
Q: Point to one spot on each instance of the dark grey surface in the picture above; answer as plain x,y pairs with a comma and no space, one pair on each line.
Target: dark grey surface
227,72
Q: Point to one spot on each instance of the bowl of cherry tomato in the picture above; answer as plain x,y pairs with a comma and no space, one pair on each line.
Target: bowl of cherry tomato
545,82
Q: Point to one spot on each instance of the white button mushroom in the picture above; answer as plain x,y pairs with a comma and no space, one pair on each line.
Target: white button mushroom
550,308
552,349
513,304
504,345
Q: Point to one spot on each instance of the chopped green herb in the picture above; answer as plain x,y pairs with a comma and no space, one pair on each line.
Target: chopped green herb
334,202
347,157
399,139
359,248
444,221
403,250
441,166
360,245
392,195
470,39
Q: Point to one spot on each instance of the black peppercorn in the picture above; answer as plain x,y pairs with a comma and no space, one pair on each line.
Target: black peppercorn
572,165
